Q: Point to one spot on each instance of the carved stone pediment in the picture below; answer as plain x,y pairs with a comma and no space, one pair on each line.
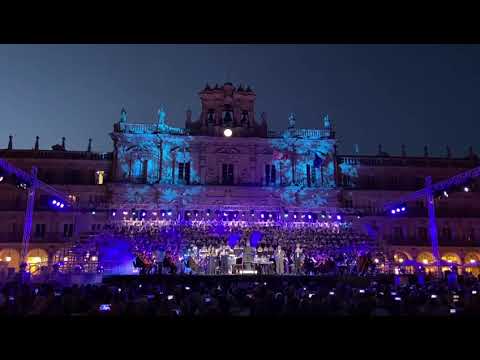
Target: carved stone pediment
227,150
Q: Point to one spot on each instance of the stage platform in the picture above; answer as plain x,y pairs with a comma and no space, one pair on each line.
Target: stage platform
330,280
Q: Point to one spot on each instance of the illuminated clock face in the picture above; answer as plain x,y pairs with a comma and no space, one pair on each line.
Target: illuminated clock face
227,132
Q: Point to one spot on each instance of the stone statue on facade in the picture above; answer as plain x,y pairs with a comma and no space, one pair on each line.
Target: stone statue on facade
291,121
123,116
161,116
326,122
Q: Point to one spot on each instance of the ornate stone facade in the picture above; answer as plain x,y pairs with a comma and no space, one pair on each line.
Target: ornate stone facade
155,167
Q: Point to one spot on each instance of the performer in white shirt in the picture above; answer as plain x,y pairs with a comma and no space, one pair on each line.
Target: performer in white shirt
298,257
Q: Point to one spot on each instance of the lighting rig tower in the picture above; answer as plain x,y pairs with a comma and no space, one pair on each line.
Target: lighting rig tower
31,184
427,193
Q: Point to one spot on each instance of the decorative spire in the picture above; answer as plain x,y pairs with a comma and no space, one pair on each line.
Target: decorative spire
471,154
216,87
240,88
207,87
10,142
380,152
356,149
189,116
123,116
89,149
404,152
248,89
425,151
449,152
36,143
63,143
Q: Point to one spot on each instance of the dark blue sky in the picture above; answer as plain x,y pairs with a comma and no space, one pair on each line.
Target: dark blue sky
389,94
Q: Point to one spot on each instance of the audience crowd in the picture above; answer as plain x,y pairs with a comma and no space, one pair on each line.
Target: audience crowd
185,296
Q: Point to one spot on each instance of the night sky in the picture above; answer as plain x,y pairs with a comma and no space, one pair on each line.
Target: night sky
390,94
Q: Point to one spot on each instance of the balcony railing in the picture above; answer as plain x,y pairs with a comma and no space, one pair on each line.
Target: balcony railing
47,237
151,128
443,241
373,160
53,154
305,133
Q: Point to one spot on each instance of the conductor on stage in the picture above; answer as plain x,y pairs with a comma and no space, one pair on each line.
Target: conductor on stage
248,255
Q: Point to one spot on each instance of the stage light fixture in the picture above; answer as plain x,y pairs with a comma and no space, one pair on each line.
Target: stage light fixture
54,202
309,217
285,215
125,213
270,215
445,193
62,205
294,216
466,189
262,215
339,217
169,213
329,216
21,185
392,211
228,132
93,212
154,213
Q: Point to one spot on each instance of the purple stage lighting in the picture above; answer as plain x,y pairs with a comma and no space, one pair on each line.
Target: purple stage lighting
398,210
339,217
392,211
403,208
125,213
54,202
169,213
309,216
61,206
